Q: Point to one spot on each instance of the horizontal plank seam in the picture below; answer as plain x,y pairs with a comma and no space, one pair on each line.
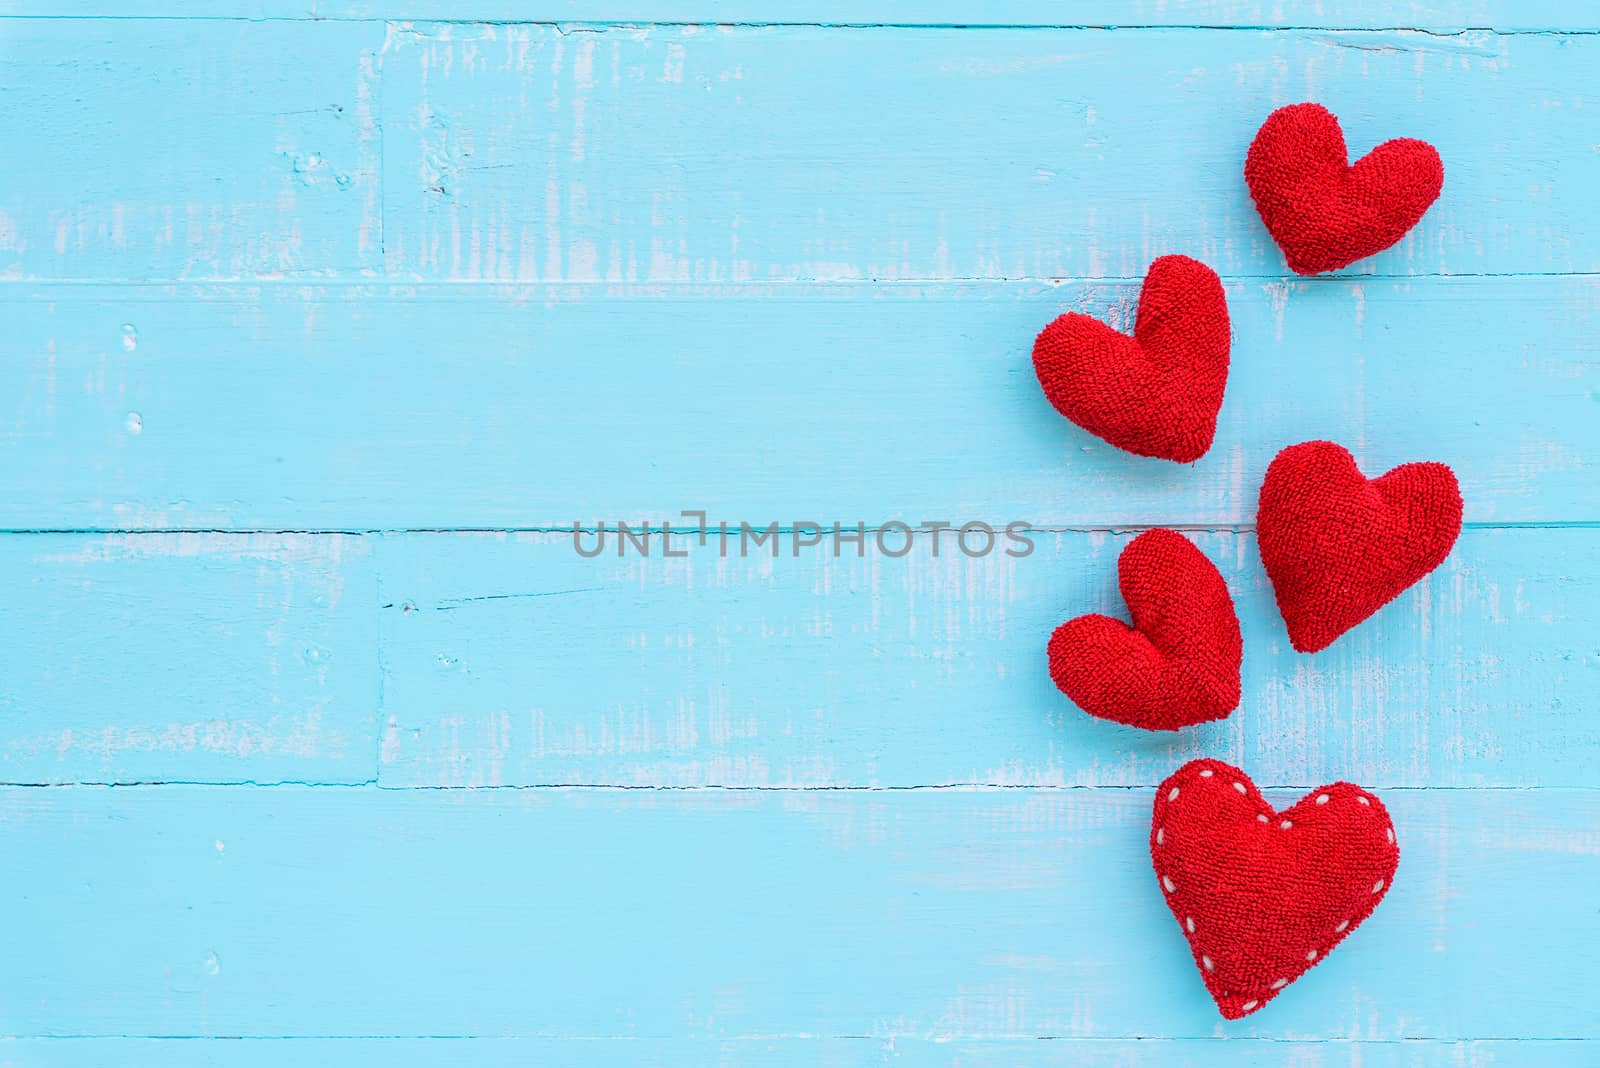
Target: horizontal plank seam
113,784
941,1037
578,787
1442,30
565,26
689,531
8,286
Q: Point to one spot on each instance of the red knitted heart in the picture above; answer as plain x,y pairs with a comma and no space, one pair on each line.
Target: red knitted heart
1338,547
1261,895
1178,664
1156,393
1323,212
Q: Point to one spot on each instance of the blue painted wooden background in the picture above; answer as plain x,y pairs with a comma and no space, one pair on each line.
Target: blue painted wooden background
323,318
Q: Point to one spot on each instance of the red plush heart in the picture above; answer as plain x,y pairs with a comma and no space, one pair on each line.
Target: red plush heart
1323,212
1156,393
1338,547
1178,664
1262,895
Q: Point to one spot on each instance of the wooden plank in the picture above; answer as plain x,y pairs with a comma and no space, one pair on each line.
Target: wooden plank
188,657
475,406
1145,1052
1428,15
677,154
668,167
650,914
513,661
140,149
1457,15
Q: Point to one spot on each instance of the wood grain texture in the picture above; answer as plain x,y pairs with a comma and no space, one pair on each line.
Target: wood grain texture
925,914
678,154
254,657
465,406
199,657
1145,1052
308,290
824,671
139,149
667,153
1430,15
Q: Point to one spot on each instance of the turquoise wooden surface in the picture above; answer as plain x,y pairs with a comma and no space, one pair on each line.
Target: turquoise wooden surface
219,658
1428,15
147,150
700,154
799,1052
823,672
351,409
327,318
954,915
673,154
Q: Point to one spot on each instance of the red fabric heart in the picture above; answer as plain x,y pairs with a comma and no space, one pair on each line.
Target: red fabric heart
1158,392
1178,664
1323,212
1262,895
1338,547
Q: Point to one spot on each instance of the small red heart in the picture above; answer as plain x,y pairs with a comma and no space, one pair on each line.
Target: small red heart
1338,546
1158,392
1323,212
1178,664
1262,896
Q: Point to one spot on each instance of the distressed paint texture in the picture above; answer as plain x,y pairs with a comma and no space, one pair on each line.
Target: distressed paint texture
876,672
324,318
1144,1052
208,657
933,914
1431,15
728,155
152,150
472,406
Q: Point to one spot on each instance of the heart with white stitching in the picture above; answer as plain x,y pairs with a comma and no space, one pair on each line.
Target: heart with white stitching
1262,896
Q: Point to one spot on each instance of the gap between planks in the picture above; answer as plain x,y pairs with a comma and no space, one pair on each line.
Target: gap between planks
568,529
571,26
378,286
1232,1040
375,786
